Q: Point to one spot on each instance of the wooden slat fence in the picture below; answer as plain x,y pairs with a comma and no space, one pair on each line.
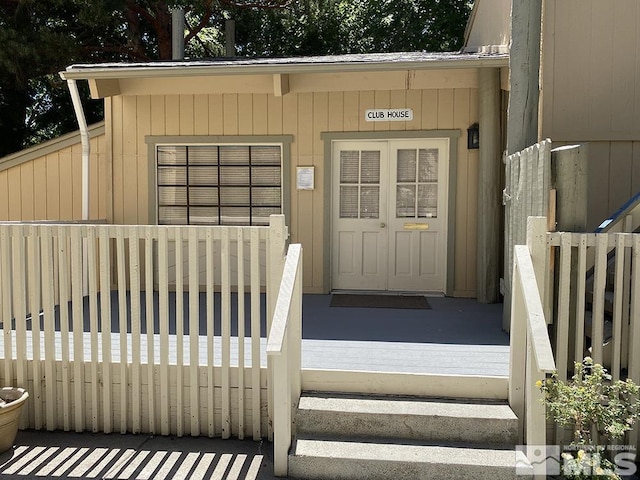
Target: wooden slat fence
99,351
596,310
526,193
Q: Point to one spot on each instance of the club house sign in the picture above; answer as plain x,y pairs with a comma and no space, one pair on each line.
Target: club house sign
389,115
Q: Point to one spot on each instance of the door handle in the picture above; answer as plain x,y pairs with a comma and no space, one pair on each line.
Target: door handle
382,225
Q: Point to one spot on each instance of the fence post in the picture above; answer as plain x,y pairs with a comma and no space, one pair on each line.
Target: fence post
295,337
537,242
275,263
517,349
569,170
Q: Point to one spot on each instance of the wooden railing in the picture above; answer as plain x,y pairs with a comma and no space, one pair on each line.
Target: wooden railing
112,327
531,354
584,312
625,220
284,346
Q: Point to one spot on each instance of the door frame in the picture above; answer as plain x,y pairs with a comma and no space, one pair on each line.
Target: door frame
328,139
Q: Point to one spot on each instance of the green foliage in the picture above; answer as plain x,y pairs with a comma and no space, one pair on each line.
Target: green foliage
594,407
354,26
39,38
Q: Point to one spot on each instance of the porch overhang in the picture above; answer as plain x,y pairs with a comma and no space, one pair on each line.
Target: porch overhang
272,74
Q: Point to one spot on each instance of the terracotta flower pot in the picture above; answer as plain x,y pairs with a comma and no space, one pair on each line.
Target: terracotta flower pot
11,402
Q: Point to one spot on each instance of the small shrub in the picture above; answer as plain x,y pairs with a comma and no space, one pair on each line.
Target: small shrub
594,407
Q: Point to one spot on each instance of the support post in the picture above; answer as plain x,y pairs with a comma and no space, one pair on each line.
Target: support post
569,166
275,263
489,199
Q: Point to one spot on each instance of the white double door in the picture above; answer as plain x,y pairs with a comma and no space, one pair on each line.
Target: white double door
389,215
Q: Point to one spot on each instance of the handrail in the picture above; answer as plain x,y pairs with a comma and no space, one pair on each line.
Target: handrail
536,324
616,222
530,350
284,349
292,266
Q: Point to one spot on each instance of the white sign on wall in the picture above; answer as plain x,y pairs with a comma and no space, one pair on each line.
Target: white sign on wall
305,178
389,115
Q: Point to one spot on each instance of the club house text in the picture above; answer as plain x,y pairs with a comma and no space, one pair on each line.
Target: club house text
389,115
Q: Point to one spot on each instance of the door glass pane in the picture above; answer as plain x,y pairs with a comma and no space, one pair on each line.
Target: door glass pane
369,202
370,166
428,165
405,201
406,165
428,200
348,201
349,166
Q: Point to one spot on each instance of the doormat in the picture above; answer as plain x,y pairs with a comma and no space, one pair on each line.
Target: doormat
379,301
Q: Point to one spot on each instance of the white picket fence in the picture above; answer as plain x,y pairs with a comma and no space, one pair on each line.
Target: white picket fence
595,307
161,367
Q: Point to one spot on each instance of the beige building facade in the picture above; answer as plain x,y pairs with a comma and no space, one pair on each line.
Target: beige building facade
377,181
590,86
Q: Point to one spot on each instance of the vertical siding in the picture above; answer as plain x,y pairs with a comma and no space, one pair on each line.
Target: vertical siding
614,176
597,43
49,187
304,116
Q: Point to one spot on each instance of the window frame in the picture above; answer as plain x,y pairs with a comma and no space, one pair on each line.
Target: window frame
153,142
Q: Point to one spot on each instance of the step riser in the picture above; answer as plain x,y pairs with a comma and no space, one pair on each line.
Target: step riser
411,427
341,436
330,469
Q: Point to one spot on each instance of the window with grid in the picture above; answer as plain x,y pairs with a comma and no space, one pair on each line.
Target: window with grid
360,184
218,184
417,187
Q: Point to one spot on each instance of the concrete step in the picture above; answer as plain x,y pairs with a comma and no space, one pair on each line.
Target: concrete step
319,459
426,419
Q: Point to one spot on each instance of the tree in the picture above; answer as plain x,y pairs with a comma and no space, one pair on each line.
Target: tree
353,26
38,38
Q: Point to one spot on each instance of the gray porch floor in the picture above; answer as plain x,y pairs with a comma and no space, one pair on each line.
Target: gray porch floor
456,336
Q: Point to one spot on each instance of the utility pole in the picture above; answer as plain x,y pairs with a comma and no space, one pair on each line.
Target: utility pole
524,68
524,95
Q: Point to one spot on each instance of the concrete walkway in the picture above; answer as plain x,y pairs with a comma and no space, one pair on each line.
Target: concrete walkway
66,455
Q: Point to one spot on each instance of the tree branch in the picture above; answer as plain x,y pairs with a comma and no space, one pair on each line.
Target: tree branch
256,3
208,5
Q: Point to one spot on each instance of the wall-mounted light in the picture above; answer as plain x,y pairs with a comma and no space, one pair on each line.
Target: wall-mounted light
473,137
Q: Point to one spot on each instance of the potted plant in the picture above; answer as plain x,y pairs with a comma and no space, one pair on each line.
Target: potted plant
597,410
11,403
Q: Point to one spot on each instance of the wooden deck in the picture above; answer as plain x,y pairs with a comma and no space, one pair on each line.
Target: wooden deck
455,336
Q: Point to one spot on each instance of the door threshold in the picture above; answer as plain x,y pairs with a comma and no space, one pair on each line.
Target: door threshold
387,292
